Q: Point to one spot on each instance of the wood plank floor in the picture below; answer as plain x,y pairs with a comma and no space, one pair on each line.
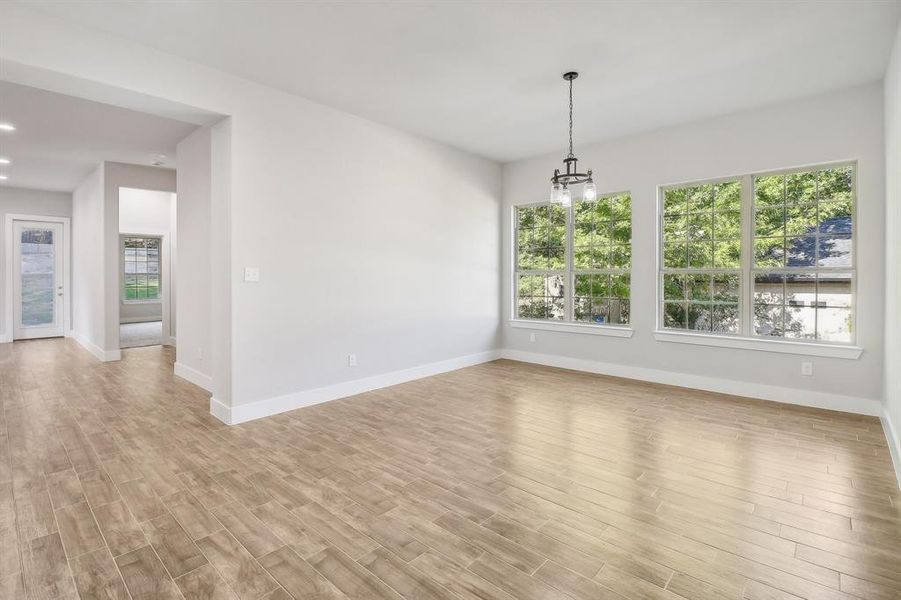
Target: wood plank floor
502,481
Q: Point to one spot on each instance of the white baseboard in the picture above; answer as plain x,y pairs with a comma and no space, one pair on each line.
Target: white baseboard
171,341
221,411
98,352
279,404
148,319
5,338
851,404
194,376
894,446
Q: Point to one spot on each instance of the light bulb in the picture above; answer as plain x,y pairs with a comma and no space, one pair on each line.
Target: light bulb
590,191
566,197
555,193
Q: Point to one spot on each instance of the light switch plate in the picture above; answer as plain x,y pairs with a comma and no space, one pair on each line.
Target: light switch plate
251,274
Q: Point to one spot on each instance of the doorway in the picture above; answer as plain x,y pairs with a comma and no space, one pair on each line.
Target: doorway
146,262
37,276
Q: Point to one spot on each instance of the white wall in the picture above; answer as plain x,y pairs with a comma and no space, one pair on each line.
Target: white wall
87,261
893,250
149,212
26,202
369,240
194,352
846,125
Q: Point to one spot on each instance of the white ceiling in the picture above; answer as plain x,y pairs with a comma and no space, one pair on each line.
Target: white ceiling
485,76
60,139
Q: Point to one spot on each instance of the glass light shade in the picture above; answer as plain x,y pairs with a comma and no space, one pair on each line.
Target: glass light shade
555,192
566,197
590,191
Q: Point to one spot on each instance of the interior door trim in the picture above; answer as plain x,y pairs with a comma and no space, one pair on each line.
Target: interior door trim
8,326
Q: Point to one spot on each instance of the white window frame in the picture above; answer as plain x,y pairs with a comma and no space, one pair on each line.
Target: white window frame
745,338
567,325
122,291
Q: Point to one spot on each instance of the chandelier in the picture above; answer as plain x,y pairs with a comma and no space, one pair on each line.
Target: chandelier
560,182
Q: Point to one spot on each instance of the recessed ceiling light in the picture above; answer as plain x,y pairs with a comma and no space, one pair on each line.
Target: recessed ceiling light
4,161
7,127
3,177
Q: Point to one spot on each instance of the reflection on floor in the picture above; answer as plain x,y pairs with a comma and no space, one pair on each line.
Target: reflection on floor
503,481
132,335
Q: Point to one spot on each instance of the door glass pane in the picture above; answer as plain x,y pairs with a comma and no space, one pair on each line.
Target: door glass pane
37,268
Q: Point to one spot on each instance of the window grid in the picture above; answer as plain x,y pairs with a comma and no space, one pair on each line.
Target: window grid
582,273
816,210
803,274
141,267
701,237
602,255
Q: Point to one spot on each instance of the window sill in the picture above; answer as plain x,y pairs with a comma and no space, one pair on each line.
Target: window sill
157,301
620,331
744,343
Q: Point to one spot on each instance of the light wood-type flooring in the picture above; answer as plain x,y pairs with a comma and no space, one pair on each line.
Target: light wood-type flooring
502,481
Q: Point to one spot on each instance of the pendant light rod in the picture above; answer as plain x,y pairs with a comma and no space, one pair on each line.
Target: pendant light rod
569,77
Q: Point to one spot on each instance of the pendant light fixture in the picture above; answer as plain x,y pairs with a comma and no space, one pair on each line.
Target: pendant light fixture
560,182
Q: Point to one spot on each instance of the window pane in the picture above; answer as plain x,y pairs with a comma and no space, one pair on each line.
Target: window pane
769,288
698,316
800,251
674,315
724,318
768,319
769,252
834,251
582,309
769,191
800,289
726,288
727,196
834,307
583,285
673,287
582,257
835,184
700,255
153,286
800,220
834,289
727,225
700,227
674,201
801,187
600,285
620,285
727,255
675,227
835,217
769,298
800,322
699,198
698,287
675,255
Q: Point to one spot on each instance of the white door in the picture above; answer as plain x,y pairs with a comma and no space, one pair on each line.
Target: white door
38,285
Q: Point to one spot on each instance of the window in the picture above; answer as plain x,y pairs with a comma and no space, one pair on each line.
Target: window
795,279
573,264
702,257
141,260
803,254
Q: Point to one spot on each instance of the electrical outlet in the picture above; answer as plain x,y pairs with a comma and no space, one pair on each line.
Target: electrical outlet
806,368
531,337
351,360
251,274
